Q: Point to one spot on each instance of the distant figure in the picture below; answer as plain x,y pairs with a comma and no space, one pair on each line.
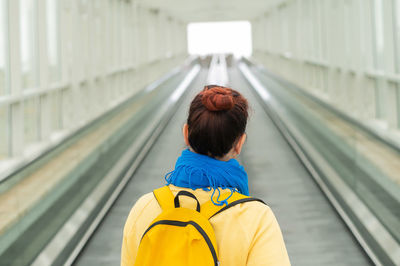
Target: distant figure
204,216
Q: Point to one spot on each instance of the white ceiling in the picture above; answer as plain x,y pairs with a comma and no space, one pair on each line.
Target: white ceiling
211,10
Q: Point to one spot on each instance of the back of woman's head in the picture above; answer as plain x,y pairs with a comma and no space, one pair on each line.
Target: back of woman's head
217,119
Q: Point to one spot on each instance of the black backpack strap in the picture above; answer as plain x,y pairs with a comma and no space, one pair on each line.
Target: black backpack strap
236,202
188,194
167,200
209,209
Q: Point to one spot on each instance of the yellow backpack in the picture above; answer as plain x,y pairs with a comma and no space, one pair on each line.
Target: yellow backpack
181,236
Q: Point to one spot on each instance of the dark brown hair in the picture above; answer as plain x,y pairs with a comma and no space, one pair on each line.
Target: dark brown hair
217,118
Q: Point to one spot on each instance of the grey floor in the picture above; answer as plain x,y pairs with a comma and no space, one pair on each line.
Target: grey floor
313,232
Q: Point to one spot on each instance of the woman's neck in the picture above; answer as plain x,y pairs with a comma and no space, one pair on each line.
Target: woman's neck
225,158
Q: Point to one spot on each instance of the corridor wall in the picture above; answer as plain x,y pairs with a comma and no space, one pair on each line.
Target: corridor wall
347,52
65,62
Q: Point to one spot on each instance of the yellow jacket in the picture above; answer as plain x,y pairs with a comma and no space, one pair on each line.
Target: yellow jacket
247,234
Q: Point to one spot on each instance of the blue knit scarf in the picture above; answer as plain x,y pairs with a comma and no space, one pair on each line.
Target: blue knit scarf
193,170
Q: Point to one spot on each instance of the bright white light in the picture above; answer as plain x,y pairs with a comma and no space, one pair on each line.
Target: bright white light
220,37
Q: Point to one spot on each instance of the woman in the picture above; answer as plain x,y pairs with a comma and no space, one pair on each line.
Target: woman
247,233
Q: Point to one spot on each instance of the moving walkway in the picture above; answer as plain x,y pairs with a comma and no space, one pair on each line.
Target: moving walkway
78,219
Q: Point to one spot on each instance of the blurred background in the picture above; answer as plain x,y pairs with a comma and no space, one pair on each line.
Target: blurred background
93,92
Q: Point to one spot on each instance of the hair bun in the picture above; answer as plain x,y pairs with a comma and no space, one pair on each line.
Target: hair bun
217,98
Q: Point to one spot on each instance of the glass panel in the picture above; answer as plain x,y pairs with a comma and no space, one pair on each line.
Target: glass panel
391,104
67,114
3,47
55,113
398,106
4,126
53,40
27,43
30,121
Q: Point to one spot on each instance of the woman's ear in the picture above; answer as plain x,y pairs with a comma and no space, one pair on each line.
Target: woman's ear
185,132
239,144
